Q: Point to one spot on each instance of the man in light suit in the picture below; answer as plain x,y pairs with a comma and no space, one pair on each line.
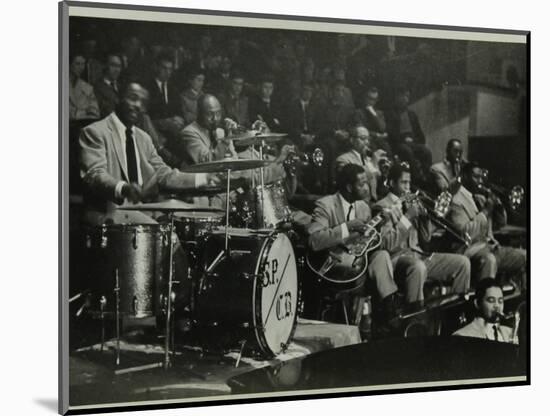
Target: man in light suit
118,161
446,172
344,215
358,155
469,214
204,140
402,237
489,303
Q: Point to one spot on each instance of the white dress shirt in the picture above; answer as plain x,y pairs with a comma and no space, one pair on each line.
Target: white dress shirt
346,205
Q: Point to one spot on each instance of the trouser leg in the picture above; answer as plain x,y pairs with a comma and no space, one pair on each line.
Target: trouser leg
411,273
380,270
450,268
512,262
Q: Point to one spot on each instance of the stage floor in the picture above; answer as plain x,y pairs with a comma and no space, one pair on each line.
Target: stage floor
95,379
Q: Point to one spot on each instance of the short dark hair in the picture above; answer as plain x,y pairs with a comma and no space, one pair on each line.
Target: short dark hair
450,143
237,73
164,57
483,285
469,167
348,175
397,170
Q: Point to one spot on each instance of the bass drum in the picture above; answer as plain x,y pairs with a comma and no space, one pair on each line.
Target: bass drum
249,298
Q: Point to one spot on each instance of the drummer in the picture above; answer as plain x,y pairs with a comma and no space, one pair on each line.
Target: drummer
119,163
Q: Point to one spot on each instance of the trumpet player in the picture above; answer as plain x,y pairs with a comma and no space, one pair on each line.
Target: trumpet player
489,304
446,173
361,153
402,238
470,213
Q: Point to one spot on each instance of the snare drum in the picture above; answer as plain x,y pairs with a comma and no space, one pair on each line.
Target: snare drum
250,296
138,254
194,226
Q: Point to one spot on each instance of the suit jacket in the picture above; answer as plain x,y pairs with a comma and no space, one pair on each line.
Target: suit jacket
271,115
195,146
404,236
156,108
189,100
82,101
466,217
376,124
443,175
353,158
476,329
107,97
235,108
102,164
393,119
325,230
297,123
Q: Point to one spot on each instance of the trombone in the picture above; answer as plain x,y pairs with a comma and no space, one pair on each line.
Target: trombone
441,206
514,197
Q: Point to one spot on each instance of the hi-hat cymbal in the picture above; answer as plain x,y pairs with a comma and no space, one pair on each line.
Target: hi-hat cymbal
225,165
265,138
170,205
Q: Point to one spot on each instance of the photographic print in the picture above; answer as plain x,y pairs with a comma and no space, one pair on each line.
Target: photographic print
262,207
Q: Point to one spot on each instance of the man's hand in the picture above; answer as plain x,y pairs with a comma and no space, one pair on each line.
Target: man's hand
229,124
408,140
260,126
356,225
285,151
131,192
213,179
413,211
393,213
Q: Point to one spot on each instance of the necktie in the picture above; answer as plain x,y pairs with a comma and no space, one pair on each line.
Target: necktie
363,160
349,212
305,117
131,157
113,84
164,93
213,139
495,332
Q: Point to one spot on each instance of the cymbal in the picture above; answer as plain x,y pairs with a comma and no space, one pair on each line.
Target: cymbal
266,138
224,165
205,190
170,205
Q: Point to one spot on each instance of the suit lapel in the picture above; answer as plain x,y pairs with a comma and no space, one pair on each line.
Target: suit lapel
340,215
118,148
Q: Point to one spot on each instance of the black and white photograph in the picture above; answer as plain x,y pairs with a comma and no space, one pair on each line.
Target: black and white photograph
257,207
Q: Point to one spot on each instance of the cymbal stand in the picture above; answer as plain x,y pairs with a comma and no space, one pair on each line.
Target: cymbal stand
117,317
167,338
261,222
225,252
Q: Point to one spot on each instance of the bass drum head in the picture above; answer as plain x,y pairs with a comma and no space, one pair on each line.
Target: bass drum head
276,295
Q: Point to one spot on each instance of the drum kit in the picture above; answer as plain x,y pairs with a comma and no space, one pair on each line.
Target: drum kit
244,281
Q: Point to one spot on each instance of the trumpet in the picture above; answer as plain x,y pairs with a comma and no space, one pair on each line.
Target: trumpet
514,196
437,209
296,159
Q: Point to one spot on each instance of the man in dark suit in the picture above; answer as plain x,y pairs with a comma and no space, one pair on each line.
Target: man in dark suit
234,101
263,107
164,98
407,138
374,120
302,118
343,216
119,162
107,89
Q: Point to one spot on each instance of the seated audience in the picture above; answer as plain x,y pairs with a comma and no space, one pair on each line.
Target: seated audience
82,100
